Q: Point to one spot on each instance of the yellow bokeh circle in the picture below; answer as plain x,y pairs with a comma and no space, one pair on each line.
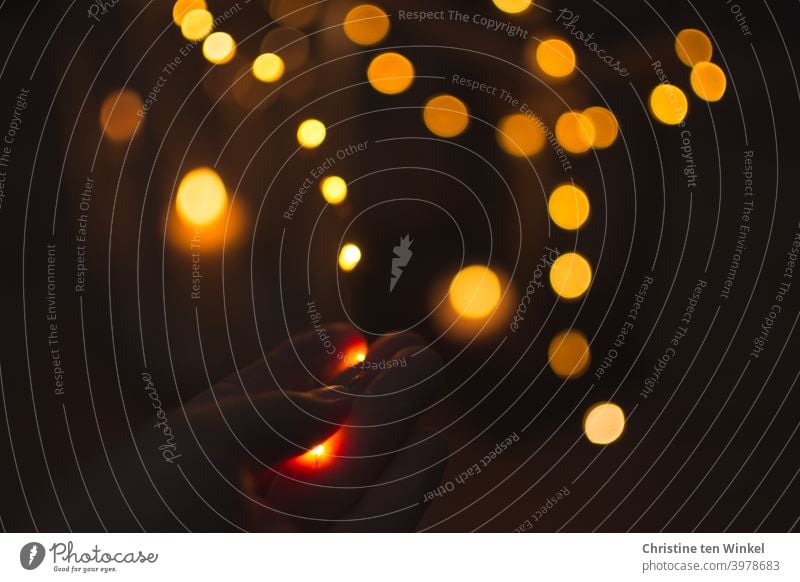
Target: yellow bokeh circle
366,24
475,292
119,114
182,7
390,73
197,24
605,125
334,189
570,275
349,257
311,133
513,6
268,67
708,81
219,48
604,423
555,57
693,46
519,135
446,116
569,354
575,132
568,207
668,104
201,197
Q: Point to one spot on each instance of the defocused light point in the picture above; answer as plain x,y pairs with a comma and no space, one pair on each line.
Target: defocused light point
311,133
201,197
219,48
349,257
475,292
568,207
366,24
197,24
570,275
390,73
555,57
446,116
604,423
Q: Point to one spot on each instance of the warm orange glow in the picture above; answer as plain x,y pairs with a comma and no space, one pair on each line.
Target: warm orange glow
605,125
513,6
570,275
360,357
182,7
219,48
446,116
519,135
555,57
604,423
708,81
390,73
349,257
693,46
197,24
475,292
568,354
669,104
119,114
575,132
366,24
568,207
311,133
201,197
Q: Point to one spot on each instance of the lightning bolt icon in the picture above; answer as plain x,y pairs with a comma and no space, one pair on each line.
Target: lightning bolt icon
32,555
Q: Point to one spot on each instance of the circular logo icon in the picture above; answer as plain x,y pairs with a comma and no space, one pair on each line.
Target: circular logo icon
31,555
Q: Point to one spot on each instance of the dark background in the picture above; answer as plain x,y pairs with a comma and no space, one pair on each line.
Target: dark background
713,448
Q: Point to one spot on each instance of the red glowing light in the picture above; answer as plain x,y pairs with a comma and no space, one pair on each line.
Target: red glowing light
320,455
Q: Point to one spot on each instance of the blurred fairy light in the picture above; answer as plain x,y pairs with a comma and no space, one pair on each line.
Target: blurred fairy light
575,132
568,207
555,57
513,6
349,257
568,354
201,197
197,24
669,104
604,423
475,292
182,7
693,46
570,275
334,189
119,114
268,68
605,125
366,24
708,81
519,135
390,73
219,48
446,116
311,133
